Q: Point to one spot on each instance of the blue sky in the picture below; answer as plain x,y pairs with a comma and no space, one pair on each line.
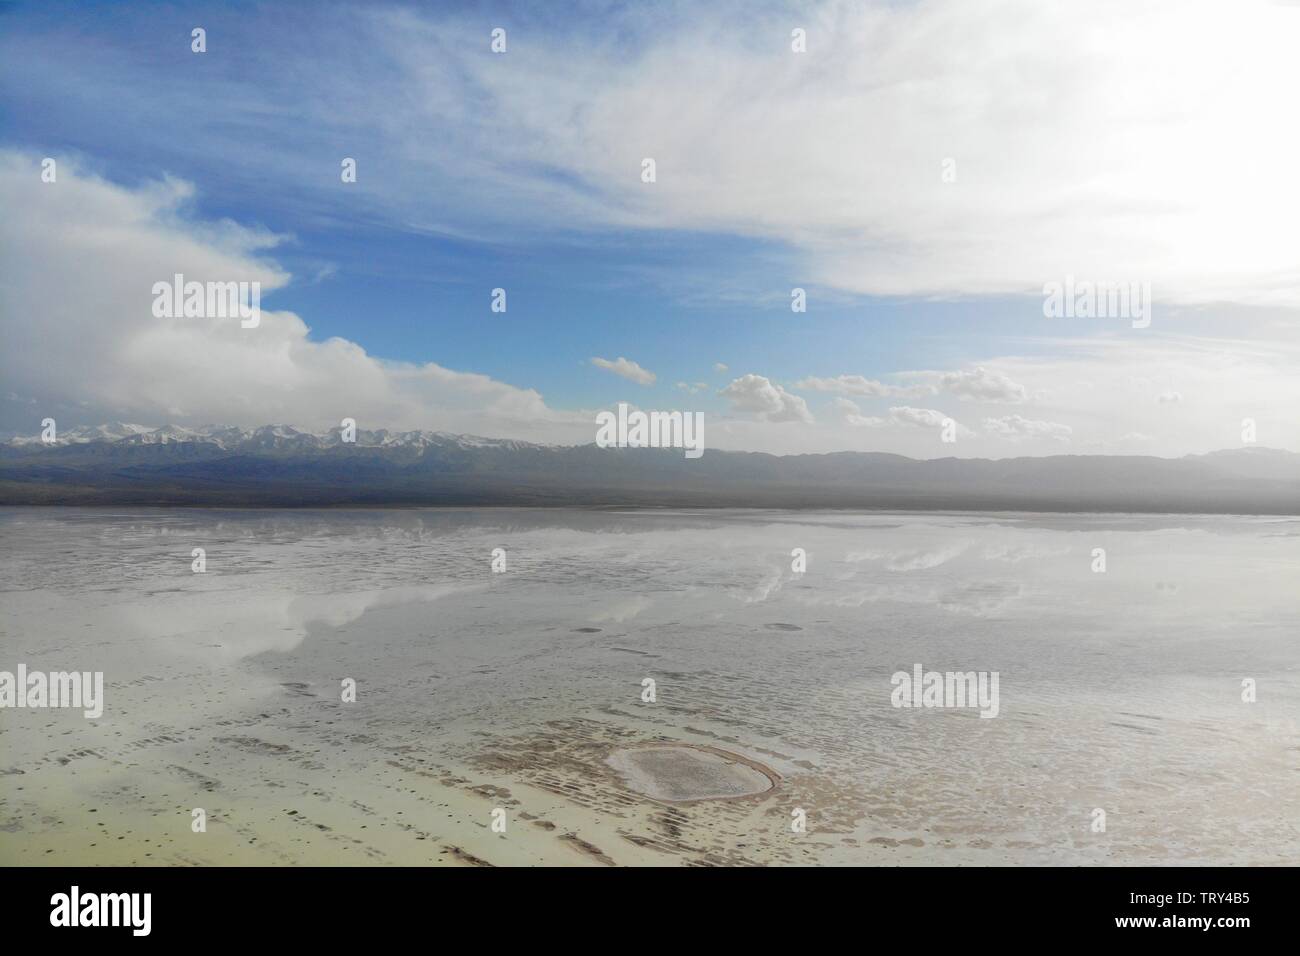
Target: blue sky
621,292
521,170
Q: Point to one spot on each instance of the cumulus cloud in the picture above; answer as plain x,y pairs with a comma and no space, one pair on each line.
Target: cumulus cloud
925,417
81,257
1105,389
80,343
627,369
982,385
1017,428
852,415
770,402
858,385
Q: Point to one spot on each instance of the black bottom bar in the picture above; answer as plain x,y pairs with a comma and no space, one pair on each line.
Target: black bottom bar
299,906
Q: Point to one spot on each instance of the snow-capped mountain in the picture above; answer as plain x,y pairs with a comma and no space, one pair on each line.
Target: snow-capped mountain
232,437
111,431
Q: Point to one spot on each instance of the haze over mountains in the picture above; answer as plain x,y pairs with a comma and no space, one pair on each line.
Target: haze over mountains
267,437
281,466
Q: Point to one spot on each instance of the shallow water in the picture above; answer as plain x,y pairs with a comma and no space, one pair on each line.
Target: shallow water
480,692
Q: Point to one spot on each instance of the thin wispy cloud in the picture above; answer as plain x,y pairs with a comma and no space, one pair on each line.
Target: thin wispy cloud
857,194
626,368
1018,428
858,385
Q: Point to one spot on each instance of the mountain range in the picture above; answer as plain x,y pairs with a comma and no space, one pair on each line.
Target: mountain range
281,466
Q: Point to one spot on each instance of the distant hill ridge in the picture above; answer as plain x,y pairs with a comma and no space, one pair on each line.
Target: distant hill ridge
281,466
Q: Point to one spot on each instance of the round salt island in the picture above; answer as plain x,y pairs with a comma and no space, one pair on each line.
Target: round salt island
680,773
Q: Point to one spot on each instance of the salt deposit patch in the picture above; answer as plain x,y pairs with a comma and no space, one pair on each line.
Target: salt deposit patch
680,772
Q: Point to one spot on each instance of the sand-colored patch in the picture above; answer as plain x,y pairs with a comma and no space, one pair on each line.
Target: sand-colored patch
679,773
587,849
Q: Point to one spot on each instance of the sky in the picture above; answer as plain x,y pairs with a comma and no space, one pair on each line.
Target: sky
922,171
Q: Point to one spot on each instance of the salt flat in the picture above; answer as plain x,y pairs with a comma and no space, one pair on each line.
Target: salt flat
479,692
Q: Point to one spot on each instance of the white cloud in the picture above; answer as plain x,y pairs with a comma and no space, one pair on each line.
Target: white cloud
900,416
981,385
1018,428
627,369
1169,398
1187,181
852,415
858,385
81,256
80,343
977,384
921,418
719,367
837,153
772,403
1105,388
